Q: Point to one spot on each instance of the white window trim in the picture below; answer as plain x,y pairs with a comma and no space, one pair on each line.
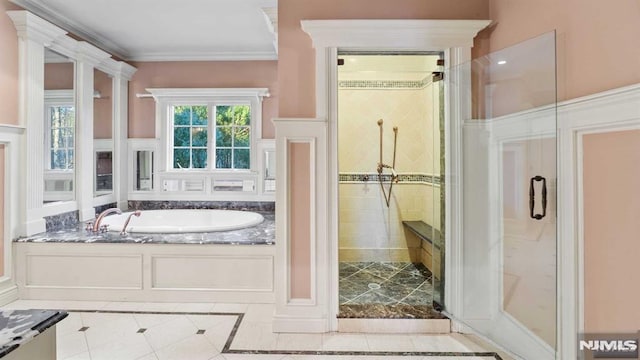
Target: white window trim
166,97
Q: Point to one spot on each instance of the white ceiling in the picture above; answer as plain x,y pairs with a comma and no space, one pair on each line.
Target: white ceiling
169,30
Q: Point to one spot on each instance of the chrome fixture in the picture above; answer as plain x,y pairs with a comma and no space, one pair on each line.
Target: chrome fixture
381,166
136,213
96,226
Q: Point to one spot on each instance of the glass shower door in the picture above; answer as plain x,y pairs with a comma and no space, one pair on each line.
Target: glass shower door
509,197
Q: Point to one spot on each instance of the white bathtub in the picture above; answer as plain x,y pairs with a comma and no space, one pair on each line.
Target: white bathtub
183,221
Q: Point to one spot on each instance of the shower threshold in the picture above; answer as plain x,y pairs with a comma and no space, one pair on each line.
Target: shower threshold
382,311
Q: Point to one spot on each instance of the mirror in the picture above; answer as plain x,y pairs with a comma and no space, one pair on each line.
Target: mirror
59,127
102,133
270,170
143,170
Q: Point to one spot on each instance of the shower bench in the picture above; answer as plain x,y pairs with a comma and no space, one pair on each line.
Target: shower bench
424,231
431,253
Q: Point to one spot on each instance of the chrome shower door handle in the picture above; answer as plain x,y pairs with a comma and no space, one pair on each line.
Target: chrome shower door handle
532,197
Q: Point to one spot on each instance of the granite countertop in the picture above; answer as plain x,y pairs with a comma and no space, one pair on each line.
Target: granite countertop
18,327
261,234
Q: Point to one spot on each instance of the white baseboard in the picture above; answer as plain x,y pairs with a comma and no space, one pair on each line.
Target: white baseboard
8,295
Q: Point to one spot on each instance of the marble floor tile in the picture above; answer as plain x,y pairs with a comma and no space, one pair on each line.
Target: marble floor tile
150,356
252,335
344,342
117,336
389,342
299,342
259,312
197,346
128,347
71,344
82,356
170,332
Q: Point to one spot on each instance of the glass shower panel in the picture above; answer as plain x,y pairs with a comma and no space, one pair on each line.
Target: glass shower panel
439,186
508,172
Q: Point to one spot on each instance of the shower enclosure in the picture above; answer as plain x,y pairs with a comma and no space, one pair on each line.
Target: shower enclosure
389,146
507,253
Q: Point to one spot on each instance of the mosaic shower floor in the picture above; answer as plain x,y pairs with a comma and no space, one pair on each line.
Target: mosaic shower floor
385,290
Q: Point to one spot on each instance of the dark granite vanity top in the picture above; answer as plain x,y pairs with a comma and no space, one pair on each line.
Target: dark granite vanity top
261,234
18,327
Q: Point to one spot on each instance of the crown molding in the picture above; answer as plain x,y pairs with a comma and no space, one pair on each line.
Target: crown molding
91,54
62,21
32,27
204,56
408,34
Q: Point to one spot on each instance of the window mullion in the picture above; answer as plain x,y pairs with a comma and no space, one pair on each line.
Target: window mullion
211,129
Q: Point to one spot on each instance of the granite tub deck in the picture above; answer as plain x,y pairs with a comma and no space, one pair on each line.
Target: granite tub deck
261,234
19,327
227,266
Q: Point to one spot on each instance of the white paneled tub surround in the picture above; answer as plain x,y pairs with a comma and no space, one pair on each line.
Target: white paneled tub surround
145,272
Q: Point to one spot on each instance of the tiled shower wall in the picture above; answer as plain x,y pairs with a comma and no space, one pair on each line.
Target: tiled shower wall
368,229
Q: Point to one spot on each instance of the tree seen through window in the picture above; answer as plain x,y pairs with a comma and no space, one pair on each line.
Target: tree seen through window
232,128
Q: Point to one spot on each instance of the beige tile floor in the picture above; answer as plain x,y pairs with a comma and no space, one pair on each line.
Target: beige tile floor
113,334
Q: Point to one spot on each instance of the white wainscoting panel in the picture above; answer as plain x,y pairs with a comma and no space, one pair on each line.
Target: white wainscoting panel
211,272
145,272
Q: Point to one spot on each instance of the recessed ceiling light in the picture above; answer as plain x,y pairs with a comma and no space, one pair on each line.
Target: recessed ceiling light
502,62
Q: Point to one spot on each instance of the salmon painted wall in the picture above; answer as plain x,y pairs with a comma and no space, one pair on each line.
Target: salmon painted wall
201,74
8,95
597,51
611,231
296,56
2,209
597,40
296,71
8,66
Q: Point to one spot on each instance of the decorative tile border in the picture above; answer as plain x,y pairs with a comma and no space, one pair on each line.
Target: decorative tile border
361,178
385,84
227,347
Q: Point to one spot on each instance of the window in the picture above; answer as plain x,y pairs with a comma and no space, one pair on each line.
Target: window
190,128
61,142
59,129
233,137
232,128
209,129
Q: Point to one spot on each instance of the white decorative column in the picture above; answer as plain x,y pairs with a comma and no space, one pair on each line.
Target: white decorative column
121,79
33,35
87,57
301,226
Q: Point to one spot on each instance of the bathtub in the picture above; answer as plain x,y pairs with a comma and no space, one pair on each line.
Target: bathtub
213,266
183,221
